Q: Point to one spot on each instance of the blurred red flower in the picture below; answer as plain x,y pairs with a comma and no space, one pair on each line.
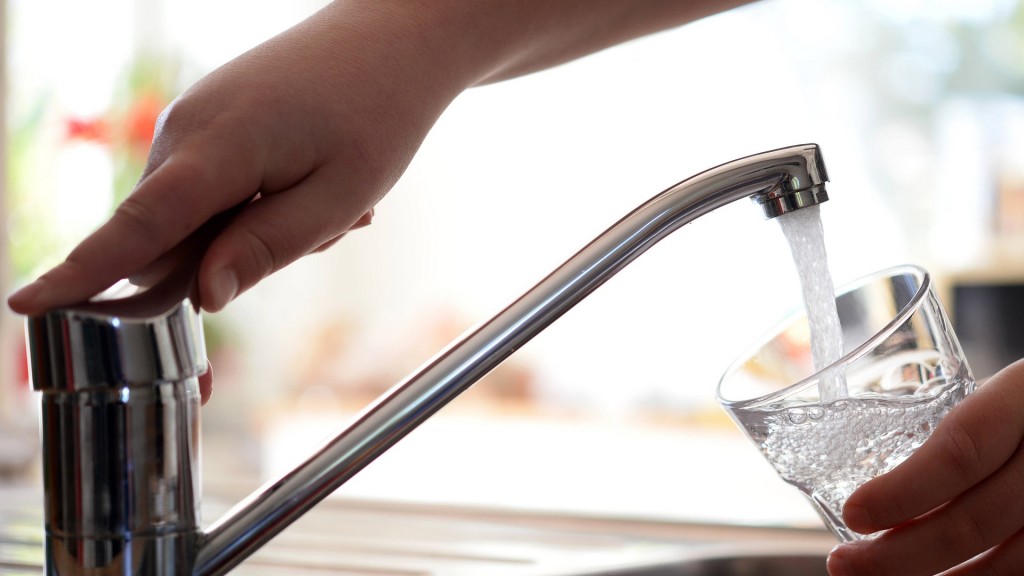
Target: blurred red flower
90,130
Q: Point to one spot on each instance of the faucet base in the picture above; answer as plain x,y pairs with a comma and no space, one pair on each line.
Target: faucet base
121,480
165,554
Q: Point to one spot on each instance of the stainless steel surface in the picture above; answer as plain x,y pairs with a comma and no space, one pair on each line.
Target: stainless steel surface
780,181
80,350
120,421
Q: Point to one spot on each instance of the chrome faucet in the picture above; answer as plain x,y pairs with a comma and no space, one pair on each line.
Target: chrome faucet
120,397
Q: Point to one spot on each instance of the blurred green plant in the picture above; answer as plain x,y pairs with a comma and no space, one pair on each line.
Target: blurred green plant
29,228
38,135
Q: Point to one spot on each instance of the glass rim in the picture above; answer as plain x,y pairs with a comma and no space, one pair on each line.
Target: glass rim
880,335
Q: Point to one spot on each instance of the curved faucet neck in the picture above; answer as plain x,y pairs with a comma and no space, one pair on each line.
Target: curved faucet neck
780,181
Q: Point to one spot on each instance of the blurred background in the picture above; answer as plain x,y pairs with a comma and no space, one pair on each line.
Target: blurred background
919,109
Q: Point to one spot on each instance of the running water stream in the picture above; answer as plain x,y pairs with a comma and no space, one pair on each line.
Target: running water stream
806,236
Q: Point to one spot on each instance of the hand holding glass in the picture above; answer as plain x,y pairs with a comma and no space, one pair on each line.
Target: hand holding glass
904,371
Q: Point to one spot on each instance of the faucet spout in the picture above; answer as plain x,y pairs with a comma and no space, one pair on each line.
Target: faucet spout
120,395
802,183
780,181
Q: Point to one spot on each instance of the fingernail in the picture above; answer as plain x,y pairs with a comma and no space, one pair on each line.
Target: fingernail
223,288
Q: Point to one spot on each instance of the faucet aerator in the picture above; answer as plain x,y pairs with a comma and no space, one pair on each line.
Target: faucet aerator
775,204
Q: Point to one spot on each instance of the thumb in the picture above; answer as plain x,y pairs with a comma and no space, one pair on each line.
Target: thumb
273,231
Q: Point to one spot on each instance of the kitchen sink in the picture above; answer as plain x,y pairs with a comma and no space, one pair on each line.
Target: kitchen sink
737,565
348,537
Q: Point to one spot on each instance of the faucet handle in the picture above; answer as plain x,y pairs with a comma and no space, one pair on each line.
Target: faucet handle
73,350
129,334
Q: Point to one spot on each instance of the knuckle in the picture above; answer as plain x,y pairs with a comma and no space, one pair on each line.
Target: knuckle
157,219
261,255
139,219
192,170
965,533
134,212
962,450
182,114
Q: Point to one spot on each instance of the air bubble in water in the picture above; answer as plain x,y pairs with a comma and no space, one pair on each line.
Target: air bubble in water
797,416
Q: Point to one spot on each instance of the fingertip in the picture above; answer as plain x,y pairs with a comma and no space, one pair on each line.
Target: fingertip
221,289
25,300
858,518
873,507
854,557
206,384
838,561
40,296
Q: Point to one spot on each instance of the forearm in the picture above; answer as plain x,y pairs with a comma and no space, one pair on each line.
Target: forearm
538,34
484,41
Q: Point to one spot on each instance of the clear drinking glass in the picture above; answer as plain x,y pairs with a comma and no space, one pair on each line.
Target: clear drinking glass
904,370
